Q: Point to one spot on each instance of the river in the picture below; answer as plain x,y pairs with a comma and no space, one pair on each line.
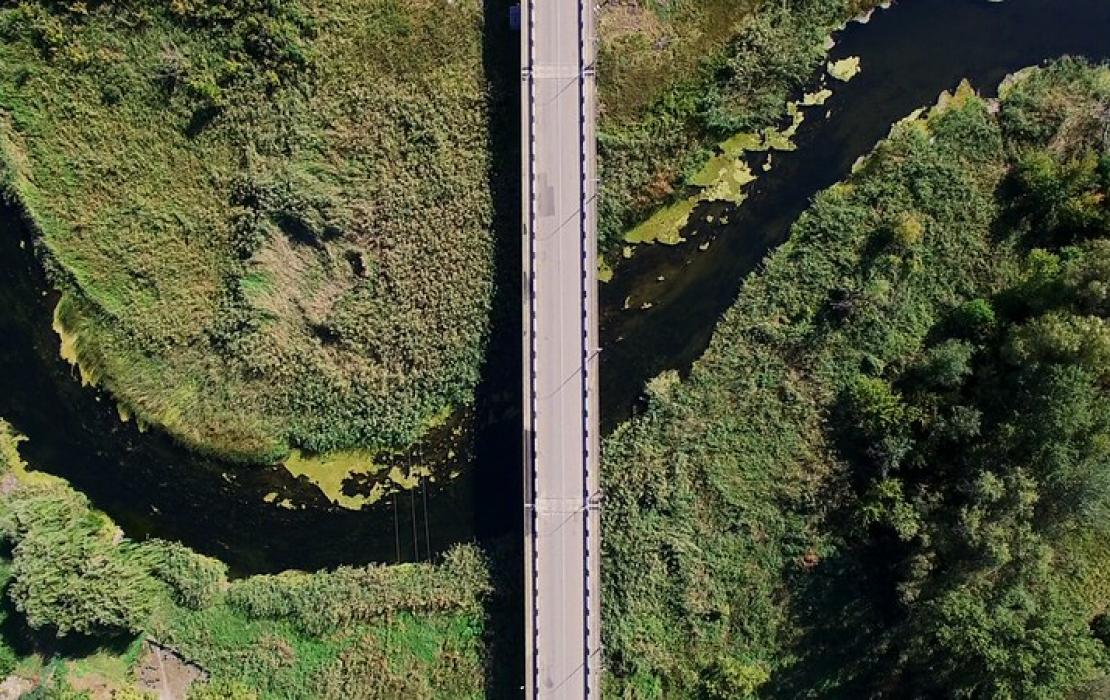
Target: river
153,487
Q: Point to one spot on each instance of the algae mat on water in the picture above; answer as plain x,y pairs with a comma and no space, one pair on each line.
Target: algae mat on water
332,473
270,234
725,175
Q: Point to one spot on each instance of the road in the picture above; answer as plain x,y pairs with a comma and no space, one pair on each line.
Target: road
562,528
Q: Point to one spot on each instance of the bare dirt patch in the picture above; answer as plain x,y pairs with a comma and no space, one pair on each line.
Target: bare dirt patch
165,673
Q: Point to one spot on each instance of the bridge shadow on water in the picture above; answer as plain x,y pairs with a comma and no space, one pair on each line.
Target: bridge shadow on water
498,466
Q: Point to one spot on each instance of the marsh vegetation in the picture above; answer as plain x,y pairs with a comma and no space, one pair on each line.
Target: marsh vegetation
678,79
271,221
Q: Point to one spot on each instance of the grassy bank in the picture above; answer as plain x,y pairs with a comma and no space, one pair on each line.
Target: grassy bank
676,79
79,599
271,220
858,491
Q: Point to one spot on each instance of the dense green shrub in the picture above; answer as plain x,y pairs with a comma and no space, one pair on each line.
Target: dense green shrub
196,580
218,690
67,572
322,602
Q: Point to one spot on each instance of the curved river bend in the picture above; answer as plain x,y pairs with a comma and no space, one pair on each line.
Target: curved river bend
153,487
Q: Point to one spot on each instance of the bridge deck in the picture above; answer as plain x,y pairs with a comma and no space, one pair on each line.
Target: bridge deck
560,302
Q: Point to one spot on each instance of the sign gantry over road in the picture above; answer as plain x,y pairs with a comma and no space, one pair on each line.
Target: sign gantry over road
562,521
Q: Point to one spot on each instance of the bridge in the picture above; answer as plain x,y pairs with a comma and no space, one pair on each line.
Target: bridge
562,523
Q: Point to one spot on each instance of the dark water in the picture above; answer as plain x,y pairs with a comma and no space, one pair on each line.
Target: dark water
909,54
151,486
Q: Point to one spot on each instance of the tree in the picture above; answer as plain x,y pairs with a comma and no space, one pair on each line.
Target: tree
1064,199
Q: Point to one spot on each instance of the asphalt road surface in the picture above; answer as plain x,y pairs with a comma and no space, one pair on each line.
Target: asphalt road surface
560,305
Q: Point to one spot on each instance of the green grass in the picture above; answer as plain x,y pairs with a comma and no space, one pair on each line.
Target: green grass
400,655
259,254
649,47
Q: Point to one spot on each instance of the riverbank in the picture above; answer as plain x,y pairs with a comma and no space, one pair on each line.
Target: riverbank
153,486
81,600
661,307
749,544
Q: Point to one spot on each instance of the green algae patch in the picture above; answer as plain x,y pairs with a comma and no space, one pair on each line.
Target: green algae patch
665,225
783,139
730,186
797,116
334,472
604,270
744,141
816,99
723,178
845,69
409,479
727,172
329,472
